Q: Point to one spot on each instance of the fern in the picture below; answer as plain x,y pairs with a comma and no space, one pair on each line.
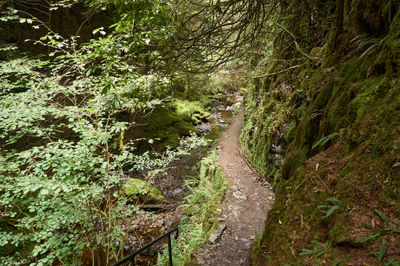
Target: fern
363,240
330,208
324,140
367,45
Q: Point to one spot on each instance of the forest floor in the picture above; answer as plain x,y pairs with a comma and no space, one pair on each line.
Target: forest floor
244,208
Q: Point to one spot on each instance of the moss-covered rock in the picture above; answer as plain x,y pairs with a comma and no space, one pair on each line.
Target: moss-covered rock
164,125
142,190
190,111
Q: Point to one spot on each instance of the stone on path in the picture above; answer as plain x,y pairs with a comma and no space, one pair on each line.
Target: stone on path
217,233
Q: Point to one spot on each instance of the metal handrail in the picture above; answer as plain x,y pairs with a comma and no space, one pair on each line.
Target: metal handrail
132,256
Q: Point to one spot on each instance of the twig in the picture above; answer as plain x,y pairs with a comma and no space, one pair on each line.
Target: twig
295,42
80,27
248,164
276,73
322,181
257,175
302,182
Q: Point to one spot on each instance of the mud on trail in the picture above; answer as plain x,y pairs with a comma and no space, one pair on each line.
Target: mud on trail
244,208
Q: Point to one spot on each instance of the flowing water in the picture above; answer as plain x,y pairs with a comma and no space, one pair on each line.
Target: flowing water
149,227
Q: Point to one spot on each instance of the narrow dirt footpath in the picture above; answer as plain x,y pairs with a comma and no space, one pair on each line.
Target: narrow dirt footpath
243,209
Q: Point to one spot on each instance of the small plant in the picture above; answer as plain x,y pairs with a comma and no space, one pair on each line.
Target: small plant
324,140
367,45
317,249
341,262
391,262
381,230
363,240
332,205
382,250
379,233
267,255
207,191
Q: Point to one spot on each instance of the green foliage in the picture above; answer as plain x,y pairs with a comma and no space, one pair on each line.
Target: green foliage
383,216
382,250
78,178
341,262
367,44
334,204
207,191
363,240
324,140
381,230
317,250
63,156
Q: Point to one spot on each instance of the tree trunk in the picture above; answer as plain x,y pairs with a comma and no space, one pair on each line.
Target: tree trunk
339,15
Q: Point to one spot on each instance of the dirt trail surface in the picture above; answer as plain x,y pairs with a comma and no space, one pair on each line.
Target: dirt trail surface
244,208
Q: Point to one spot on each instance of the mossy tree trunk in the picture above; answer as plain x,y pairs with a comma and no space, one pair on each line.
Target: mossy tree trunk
337,27
339,15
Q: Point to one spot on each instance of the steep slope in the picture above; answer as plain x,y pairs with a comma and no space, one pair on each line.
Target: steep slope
328,132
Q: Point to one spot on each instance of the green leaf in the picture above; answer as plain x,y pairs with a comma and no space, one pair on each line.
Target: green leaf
330,211
382,216
324,206
382,250
367,238
306,252
333,200
324,140
342,262
392,230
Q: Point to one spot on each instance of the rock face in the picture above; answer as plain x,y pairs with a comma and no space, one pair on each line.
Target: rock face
327,133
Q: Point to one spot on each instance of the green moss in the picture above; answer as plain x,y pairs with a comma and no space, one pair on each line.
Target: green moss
291,133
339,231
164,125
364,110
190,111
142,190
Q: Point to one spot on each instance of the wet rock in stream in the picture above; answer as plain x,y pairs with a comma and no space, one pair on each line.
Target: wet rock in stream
203,128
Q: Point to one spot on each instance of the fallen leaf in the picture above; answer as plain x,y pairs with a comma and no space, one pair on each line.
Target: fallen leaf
373,224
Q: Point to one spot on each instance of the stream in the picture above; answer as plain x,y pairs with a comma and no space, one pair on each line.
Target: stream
163,217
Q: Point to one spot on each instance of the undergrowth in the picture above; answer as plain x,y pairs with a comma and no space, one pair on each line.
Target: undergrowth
207,191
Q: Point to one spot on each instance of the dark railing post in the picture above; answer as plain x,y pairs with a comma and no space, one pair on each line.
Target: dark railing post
170,249
131,258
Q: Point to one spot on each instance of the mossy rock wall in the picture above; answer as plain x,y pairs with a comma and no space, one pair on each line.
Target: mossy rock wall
339,183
